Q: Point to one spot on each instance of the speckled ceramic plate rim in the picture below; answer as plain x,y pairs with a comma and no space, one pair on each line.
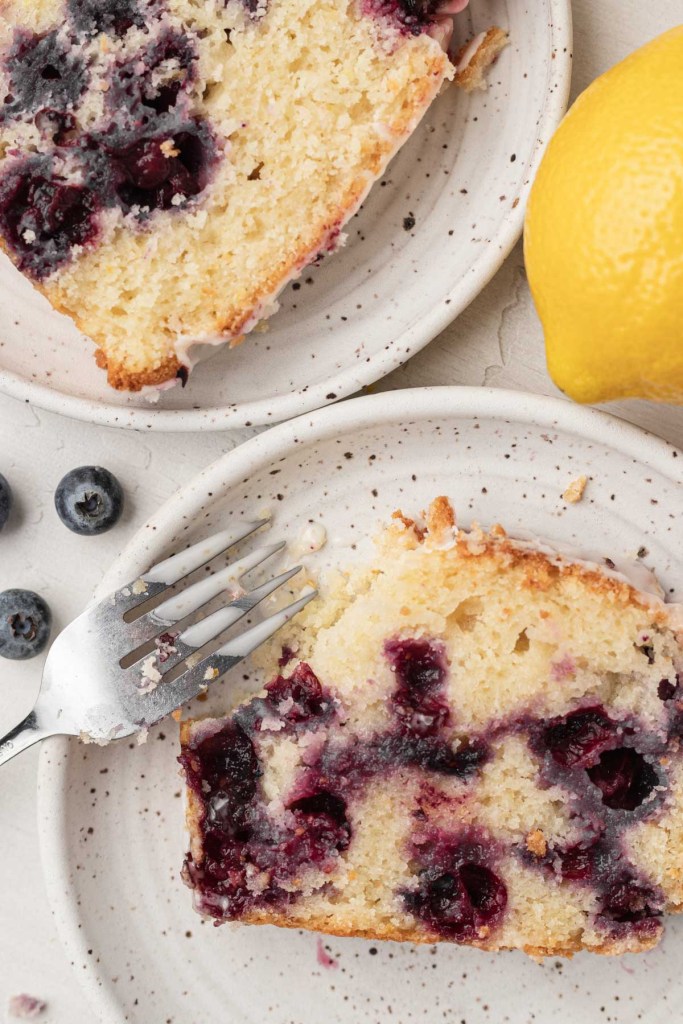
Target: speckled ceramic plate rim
355,376
216,479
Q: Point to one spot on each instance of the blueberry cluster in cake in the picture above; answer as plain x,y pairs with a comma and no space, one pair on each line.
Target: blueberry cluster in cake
104,108
380,804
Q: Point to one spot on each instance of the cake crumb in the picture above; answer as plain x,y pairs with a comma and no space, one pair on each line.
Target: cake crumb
536,843
169,148
574,492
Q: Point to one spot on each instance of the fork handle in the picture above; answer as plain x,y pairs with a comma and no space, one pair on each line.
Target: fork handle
22,736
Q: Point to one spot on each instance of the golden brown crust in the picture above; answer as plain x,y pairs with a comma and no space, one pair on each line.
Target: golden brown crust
124,380
193,805
542,572
422,937
473,75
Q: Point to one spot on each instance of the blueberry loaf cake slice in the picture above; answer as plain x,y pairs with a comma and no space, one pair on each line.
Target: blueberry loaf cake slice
469,740
166,166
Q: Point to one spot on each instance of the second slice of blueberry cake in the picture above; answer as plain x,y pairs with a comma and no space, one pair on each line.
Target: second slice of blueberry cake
167,166
469,740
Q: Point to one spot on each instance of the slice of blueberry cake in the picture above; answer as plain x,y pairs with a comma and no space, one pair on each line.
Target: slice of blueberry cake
469,740
166,166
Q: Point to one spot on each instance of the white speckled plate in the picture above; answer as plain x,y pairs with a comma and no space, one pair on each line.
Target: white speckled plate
111,818
463,178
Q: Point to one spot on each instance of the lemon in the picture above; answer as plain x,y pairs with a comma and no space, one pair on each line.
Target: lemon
604,233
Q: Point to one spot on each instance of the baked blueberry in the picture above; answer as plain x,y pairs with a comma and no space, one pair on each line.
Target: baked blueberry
164,171
625,779
89,500
421,670
25,623
578,739
5,500
459,894
42,218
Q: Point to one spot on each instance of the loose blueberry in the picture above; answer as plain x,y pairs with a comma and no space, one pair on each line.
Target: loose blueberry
43,73
624,778
89,500
42,218
25,622
5,501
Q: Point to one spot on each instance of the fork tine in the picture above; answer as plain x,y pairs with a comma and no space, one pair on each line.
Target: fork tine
184,562
199,673
173,569
181,646
201,633
190,600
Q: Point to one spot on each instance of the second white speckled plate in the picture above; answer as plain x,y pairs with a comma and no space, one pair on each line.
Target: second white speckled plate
111,819
461,181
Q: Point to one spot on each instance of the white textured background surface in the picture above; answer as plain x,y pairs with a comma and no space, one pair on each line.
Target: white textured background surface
497,342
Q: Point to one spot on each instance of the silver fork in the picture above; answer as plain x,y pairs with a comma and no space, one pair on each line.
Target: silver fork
142,652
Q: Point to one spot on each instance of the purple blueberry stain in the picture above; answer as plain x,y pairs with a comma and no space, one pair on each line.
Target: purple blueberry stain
116,17
43,73
411,17
626,900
